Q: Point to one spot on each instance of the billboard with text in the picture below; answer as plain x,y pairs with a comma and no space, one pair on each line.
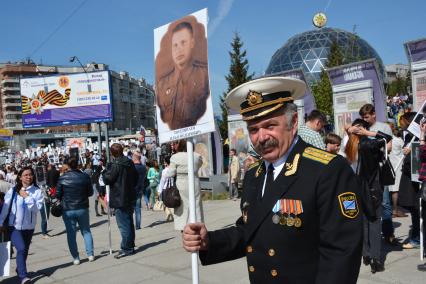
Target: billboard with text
66,99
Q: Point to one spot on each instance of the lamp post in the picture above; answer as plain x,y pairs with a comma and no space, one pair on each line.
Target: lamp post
74,58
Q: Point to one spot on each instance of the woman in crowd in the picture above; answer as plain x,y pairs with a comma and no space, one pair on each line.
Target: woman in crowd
100,190
153,176
147,189
164,181
74,189
364,151
409,191
21,205
395,156
179,168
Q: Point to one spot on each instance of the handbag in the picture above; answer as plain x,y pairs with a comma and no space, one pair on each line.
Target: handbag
158,206
386,172
56,208
170,195
5,224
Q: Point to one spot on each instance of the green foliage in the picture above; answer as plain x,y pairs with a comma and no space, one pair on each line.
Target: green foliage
321,89
398,86
323,94
238,74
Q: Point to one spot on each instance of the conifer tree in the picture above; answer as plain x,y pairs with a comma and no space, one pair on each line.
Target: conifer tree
238,74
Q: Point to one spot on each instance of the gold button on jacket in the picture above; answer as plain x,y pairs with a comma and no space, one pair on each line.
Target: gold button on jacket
274,272
249,249
251,268
271,252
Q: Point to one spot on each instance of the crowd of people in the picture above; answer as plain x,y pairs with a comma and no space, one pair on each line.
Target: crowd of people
135,181
33,185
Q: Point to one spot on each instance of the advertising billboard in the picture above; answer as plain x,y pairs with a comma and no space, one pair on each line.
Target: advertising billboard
66,99
354,85
182,88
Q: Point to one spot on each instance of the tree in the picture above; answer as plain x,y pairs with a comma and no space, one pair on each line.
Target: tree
321,89
238,74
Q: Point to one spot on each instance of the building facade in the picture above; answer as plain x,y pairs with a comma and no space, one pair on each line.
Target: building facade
394,71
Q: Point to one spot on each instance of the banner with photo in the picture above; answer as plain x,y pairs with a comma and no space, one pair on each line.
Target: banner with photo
183,101
414,126
66,99
353,86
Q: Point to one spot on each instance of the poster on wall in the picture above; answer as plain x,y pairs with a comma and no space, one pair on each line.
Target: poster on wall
346,107
353,80
184,104
202,147
66,99
419,89
239,138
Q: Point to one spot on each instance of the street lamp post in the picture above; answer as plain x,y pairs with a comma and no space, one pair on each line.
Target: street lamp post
74,58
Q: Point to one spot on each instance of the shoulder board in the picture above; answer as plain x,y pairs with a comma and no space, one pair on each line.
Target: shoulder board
255,164
318,155
199,63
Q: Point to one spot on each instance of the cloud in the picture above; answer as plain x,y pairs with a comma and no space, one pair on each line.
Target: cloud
223,10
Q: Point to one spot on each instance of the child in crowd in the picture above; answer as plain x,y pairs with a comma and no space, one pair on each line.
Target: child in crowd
332,143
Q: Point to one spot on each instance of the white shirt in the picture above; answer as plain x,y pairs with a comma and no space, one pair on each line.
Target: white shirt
23,215
279,164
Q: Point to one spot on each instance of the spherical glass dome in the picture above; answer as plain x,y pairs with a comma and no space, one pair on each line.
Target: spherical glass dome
309,51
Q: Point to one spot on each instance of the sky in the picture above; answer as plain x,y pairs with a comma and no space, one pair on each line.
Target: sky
120,33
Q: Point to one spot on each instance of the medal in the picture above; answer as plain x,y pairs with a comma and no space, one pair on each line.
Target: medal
283,220
276,219
298,210
276,209
297,222
290,221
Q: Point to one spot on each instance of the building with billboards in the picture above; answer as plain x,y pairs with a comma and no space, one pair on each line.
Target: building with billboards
132,102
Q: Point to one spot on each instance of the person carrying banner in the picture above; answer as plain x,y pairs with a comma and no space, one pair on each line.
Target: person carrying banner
301,221
21,205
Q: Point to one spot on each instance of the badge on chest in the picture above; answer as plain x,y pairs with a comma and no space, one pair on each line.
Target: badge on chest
287,213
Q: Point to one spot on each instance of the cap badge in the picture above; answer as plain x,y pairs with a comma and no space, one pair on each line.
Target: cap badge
254,98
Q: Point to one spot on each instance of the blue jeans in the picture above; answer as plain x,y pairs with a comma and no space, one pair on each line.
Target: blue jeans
138,209
44,218
124,218
387,225
71,219
21,240
146,195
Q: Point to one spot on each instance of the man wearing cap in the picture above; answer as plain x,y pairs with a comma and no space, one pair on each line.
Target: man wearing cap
301,221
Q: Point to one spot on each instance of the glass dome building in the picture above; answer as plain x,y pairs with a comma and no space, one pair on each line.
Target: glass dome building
309,51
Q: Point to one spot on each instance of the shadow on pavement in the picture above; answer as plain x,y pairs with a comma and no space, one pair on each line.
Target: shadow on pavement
153,244
156,223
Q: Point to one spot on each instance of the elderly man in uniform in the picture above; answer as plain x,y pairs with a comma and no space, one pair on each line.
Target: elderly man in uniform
301,221
182,93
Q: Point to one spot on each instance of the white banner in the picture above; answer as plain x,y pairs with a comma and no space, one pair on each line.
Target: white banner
184,104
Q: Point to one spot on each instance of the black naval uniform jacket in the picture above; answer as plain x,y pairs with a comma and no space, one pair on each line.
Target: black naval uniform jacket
325,249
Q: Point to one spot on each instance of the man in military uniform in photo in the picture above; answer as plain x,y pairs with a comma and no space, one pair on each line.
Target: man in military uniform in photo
301,221
182,93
